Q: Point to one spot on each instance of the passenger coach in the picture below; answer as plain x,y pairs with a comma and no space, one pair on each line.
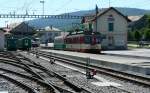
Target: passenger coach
59,43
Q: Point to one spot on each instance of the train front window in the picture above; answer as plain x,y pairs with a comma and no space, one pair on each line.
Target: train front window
26,42
87,39
98,39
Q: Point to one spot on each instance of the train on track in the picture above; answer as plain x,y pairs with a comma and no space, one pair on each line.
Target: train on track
24,43
81,41
12,44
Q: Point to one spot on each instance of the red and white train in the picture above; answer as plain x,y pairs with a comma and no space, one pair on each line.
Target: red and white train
83,41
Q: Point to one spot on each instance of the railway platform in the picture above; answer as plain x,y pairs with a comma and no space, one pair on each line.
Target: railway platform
136,53
131,64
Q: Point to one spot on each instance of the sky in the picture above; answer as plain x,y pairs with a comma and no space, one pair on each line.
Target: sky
54,7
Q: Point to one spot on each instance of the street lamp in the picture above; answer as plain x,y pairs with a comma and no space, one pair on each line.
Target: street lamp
43,2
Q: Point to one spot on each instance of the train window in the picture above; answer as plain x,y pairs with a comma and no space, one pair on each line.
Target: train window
93,40
87,39
78,40
98,39
26,42
68,40
74,40
81,39
65,40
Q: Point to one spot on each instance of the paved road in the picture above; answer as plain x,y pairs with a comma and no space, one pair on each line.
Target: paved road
133,52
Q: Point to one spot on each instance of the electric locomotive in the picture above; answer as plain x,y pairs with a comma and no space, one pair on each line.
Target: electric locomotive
24,43
83,41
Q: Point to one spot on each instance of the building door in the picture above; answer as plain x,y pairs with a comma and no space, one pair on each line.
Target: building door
110,42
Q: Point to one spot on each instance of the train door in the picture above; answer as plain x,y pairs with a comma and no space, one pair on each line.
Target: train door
26,42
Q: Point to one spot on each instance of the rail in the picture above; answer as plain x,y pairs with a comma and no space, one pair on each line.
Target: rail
68,83
22,85
24,67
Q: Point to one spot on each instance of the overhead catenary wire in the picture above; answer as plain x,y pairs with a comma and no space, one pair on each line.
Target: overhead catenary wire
63,5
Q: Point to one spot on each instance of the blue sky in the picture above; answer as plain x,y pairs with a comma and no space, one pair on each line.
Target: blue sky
62,6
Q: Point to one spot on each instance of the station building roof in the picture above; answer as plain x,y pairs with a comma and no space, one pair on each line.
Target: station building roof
102,12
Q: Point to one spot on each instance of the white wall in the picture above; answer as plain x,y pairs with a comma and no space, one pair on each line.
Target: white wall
48,35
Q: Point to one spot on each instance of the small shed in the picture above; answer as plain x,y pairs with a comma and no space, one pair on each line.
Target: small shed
2,39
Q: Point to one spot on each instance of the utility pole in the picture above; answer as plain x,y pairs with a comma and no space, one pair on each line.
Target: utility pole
27,27
96,10
43,2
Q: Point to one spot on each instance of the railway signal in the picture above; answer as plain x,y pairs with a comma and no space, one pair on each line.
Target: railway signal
88,72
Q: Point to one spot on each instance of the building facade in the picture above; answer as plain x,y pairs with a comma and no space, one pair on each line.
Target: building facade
114,26
19,30
48,34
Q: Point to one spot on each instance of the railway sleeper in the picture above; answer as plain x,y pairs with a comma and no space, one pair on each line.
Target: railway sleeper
68,83
22,85
41,82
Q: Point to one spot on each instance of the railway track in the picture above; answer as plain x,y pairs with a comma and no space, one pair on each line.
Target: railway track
53,74
33,77
141,80
18,83
76,77
38,74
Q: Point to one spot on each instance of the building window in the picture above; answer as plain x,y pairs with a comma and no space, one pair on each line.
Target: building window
56,34
110,27
110,18
49,34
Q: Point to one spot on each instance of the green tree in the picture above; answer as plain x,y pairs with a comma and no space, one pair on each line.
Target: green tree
130,35
137,36
147,34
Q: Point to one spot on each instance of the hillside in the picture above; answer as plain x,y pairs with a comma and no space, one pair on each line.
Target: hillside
142,23
67,23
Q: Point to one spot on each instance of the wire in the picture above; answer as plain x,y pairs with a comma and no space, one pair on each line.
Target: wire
64,5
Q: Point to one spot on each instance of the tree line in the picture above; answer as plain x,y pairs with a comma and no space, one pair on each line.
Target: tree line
141,30
139,35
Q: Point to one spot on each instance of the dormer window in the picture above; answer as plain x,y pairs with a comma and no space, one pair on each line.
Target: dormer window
110,15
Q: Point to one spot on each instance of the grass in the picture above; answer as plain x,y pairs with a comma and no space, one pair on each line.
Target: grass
136,46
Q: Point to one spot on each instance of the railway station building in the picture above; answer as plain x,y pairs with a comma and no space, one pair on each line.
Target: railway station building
114,26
